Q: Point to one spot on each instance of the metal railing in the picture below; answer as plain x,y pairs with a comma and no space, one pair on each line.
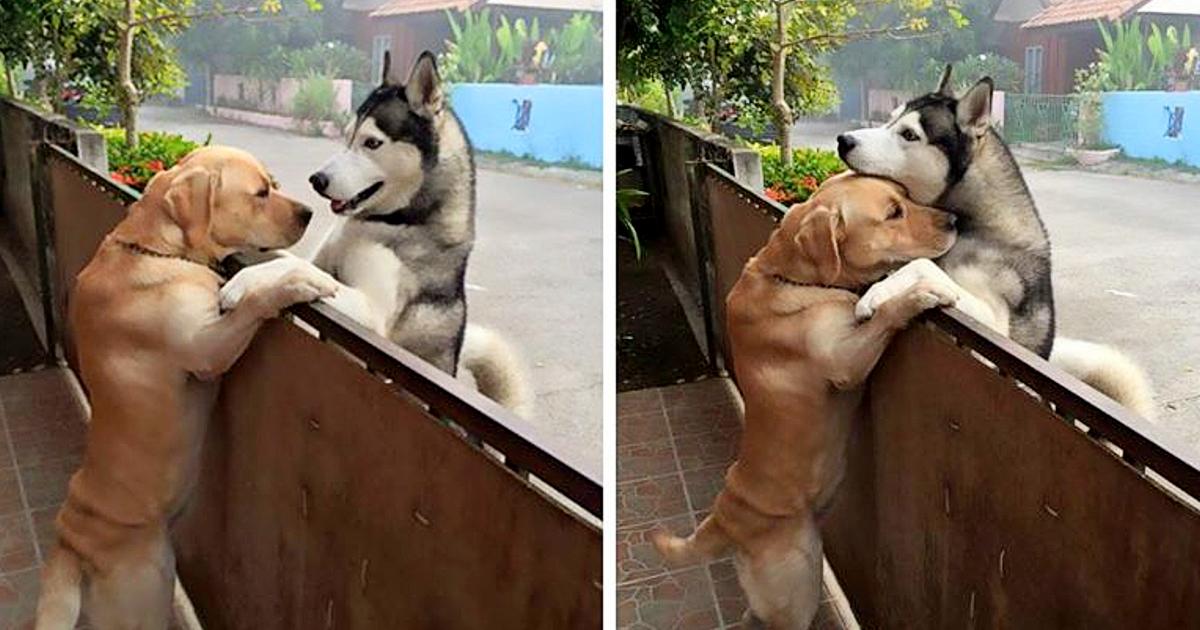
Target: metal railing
1040,117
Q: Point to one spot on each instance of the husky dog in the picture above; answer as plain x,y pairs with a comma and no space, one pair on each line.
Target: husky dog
944,150
406,185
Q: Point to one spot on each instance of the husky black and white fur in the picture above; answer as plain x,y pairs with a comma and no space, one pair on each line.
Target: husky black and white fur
406,185
944,150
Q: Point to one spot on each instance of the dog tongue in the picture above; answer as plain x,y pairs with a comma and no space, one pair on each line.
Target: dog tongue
338,205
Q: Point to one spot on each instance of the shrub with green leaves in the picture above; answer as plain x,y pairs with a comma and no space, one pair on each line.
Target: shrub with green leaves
487,49
156,151
795,184
577,52
315,101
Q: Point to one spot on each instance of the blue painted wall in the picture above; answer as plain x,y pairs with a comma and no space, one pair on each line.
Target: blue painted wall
560,122
1139,123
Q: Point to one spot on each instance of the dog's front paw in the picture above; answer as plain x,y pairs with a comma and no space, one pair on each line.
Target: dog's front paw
235,290
876,296
898,283
298,286
922,296
277,284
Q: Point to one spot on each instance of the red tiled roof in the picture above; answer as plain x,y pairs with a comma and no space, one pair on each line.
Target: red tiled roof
1073,11
402,7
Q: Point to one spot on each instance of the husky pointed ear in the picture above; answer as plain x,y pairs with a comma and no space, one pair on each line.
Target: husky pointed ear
944,87
819,237
424,87
975,107
386,78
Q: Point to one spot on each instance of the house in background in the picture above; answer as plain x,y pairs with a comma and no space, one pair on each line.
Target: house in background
1051,39
408,27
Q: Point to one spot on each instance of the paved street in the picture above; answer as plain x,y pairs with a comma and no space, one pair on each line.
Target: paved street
1125,271
535,275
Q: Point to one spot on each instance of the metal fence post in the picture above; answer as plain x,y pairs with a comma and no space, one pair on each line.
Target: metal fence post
44,226
701,221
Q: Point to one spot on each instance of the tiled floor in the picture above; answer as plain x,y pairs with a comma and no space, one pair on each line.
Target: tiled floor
42,435
673,446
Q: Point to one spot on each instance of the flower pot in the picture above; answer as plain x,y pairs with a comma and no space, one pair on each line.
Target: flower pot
1092,157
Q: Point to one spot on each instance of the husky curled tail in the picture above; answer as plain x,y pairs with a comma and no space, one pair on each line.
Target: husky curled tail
1109,371
498,371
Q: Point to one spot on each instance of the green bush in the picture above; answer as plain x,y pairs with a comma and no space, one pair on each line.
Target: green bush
156,151
577,52
795,184
483,50
315,101
335,60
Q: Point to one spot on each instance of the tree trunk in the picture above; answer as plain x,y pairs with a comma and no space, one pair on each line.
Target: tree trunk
12,83
782,112
127,92
670,101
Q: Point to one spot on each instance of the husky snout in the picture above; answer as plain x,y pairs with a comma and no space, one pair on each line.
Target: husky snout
846,143
319,182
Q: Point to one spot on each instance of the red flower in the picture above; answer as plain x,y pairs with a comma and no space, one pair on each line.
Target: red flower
811,182
775,194
121,177
155,166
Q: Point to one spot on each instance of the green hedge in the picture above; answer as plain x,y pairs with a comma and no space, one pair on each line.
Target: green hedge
795,184
156,151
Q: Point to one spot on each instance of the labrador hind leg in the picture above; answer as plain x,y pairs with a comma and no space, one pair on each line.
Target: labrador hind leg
782,577
137,592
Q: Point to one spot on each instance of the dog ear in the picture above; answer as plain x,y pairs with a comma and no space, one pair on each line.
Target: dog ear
424,87
819,237
189,200
944,88
975,107
385,77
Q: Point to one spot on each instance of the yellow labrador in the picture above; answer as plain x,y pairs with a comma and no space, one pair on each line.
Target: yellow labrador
801,358
151,341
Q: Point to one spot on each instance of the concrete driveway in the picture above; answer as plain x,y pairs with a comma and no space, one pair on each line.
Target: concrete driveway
1125,273
1125,270
535,275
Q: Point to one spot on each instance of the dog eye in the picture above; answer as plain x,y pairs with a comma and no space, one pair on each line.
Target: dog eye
910,135
896,212
372,143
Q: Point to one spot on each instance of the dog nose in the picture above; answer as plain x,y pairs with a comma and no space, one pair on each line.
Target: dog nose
319,181
846,142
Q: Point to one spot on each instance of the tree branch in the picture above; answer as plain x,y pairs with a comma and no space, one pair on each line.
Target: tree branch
893,32
200,15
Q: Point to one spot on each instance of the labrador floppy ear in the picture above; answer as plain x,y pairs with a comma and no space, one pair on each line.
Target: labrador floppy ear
975,107
424,87
189,201
819,237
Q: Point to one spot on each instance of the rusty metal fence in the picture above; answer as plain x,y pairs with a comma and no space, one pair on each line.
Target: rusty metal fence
333,493
986,488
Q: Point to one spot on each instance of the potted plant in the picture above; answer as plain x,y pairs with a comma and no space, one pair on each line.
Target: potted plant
1090,148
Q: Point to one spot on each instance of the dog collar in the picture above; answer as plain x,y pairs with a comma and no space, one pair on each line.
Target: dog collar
146,251
808,285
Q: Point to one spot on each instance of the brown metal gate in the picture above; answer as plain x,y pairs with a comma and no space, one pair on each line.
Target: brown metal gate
978,493
333,491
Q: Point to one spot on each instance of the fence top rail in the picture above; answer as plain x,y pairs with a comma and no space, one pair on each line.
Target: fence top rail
1141,441
526,445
